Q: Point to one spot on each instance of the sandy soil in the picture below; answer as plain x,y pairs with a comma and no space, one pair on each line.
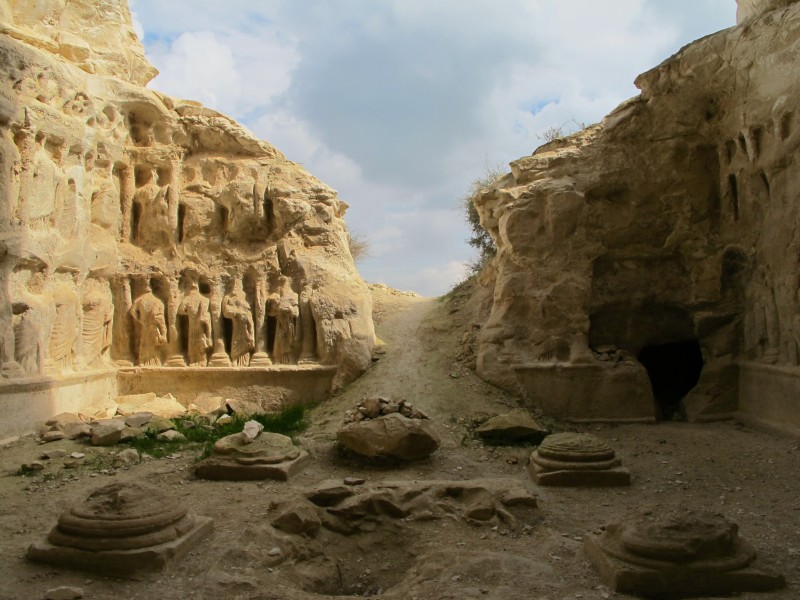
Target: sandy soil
750,476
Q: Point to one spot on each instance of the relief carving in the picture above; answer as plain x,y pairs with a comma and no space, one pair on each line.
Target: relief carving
236,308
195,307
98,318
148,315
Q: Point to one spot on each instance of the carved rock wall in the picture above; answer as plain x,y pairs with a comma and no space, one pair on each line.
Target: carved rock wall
674,219
138,230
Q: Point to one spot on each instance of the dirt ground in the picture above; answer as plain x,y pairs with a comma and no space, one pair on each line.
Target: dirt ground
748,475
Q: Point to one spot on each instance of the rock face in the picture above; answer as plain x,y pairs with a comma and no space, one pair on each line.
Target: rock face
122,529
657,252
577,459
140,230
666,552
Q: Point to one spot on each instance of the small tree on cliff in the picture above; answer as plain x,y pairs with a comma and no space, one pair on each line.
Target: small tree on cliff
480,239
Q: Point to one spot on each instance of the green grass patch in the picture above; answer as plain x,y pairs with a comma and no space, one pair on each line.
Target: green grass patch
198,433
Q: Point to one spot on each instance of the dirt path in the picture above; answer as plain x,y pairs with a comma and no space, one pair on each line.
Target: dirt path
748,475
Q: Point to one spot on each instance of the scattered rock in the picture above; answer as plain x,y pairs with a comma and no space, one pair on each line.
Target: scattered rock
390,436
52,454
329,493
126,458
53,436
62,419
243,408
138,419
131,433
224,420
76,430
514,427
354,480
77,455
298,519
64,593
171,436
251,430
159,424
107,433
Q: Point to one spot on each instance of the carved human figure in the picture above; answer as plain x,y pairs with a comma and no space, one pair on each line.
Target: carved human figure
147,312
196,308
33,318
236,308
98,317
66,327
41,186
286,327
152,229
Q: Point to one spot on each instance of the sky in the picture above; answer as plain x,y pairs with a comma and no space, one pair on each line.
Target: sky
400,104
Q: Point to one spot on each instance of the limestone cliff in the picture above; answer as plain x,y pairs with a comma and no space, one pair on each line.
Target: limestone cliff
138,230
665,237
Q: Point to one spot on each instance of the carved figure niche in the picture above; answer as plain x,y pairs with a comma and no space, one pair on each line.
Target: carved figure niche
98,318
67,324
239,326
285,307
150,222
33,316
150,324
194,323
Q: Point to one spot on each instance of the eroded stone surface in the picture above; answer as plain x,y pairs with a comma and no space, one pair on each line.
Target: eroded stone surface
348,510
122,529
666,551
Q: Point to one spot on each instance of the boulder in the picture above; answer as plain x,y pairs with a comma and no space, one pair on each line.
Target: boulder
390,436
107,433
298,519
514,427
76,430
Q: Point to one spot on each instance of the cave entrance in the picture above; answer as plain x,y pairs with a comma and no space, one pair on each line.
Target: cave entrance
674,369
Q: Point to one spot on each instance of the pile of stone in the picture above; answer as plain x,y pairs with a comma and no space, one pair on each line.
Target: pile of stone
677,552
343,507
108,432
386,429
577,459
253,454
372,408
122,529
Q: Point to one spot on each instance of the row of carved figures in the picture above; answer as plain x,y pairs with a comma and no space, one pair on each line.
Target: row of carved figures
200,323
58,324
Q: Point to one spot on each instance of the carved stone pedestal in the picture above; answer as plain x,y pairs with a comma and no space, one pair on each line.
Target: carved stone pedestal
260,359
219,359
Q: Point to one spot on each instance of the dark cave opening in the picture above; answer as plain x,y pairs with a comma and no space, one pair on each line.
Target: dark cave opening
674,369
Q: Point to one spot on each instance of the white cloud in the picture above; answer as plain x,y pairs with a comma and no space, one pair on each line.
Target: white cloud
198,66
400,104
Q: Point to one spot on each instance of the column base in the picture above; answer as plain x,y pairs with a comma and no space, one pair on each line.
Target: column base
260,359
219,359
176,360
